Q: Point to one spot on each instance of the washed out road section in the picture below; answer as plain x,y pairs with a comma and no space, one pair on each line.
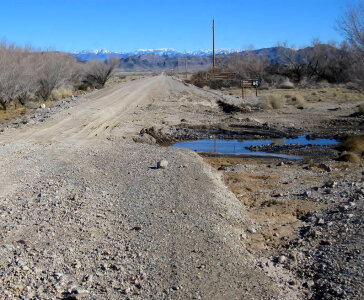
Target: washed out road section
83,212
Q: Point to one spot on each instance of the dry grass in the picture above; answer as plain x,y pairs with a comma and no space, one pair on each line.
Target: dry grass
310,95
119,79
350,97
299,101
353,144
276,102
11,113
361,109
350,157
61,93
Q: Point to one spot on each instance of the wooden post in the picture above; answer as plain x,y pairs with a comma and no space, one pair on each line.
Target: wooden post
213,46
256,91
186,66
242,90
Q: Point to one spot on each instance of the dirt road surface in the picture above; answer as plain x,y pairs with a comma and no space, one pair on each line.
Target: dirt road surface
84,213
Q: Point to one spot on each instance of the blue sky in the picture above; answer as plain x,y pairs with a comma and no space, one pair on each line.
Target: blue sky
73,25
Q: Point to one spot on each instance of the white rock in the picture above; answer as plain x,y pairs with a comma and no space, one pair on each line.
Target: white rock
252,230
320,221
163,164
282,259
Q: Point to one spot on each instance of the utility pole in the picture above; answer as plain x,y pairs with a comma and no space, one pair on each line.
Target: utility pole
186,65
213,46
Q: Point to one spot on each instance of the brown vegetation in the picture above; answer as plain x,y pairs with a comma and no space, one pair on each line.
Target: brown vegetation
353,144
318,64
97,72
28,75
361,109
350,157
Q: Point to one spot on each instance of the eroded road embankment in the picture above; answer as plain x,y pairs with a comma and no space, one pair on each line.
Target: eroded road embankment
85,213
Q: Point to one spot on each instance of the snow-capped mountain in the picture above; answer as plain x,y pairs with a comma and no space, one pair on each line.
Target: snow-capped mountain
105,54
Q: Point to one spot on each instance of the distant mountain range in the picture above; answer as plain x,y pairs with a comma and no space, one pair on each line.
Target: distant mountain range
167,59
105,54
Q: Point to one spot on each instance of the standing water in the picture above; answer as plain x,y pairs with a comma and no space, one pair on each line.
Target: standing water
240,146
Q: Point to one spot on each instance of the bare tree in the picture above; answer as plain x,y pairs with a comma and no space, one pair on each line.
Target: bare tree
98,72
25,73
56,70
248,64
14,76
351,25
293,66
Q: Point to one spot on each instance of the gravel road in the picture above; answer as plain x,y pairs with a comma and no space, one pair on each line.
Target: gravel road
85,213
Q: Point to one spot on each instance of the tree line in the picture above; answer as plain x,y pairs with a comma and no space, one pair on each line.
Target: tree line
316,63
30,75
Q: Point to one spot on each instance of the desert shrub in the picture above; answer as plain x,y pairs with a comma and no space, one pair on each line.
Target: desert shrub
199,79
352,86
97,72
299,100
286,85
61,93
276,102
17,79
353,144
26,74
56,70
248,64
263,85
81,86
273,80
350,157
264,105
361,109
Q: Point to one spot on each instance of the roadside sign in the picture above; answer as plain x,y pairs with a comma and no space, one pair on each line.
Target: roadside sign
220,76
249,83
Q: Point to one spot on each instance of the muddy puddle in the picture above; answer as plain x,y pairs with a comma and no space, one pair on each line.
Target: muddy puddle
250,147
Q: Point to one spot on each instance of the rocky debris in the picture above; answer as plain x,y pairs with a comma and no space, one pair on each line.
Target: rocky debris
145,139
231,108
323,203
157,134
162,164
330,184
40,113
329,256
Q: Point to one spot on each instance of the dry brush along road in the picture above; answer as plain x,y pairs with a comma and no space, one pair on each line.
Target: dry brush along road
86,214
